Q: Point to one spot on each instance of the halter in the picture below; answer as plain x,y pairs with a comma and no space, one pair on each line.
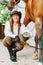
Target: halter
16,2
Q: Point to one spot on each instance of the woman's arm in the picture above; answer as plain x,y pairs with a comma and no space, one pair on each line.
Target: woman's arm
7,31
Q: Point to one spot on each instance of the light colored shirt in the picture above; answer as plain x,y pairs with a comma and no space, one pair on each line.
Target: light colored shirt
30,28
7,31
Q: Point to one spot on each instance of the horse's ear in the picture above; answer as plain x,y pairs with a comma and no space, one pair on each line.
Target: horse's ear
25,1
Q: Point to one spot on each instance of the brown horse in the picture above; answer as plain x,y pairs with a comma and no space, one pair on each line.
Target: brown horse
33,11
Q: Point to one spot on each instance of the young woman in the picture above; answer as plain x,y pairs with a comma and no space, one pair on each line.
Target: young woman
12,40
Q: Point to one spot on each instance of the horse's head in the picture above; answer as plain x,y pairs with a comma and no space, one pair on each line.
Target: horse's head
12,3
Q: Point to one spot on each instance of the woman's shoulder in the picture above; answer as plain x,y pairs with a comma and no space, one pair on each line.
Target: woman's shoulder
7,22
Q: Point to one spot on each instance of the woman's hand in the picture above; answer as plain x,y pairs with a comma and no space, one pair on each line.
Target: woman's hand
17,39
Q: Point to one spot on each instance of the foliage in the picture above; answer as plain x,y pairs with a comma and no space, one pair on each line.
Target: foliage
4,14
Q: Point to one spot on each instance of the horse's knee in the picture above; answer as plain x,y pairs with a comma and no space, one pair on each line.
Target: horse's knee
38,26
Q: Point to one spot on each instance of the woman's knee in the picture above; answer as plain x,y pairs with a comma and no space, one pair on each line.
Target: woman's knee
4,43
7,40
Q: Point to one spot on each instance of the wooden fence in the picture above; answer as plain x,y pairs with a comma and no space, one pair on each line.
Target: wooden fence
2,31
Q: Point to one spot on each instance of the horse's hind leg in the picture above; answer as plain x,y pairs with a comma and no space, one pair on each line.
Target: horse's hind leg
38,32
36,40
35,56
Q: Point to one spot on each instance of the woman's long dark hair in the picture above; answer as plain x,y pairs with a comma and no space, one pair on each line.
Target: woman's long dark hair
11,25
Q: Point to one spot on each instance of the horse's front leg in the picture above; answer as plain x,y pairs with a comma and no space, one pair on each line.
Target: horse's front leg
38,25
38,33
36,43
27,16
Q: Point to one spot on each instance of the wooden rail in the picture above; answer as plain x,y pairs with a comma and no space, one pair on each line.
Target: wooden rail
2,31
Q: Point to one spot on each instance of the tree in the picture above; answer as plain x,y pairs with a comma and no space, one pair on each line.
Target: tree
4,14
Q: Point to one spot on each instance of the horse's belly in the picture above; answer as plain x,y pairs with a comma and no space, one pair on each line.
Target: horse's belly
37,8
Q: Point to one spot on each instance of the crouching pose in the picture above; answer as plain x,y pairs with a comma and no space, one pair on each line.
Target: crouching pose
12,40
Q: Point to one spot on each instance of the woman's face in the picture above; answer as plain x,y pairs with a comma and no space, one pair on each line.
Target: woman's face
15,18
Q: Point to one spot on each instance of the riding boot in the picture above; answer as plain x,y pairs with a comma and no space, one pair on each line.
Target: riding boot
11,53
13,48
14,56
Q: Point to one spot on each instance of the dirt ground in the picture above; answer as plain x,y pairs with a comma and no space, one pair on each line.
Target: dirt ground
24,57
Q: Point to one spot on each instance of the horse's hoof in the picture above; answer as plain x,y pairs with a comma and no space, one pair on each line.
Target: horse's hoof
35,56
